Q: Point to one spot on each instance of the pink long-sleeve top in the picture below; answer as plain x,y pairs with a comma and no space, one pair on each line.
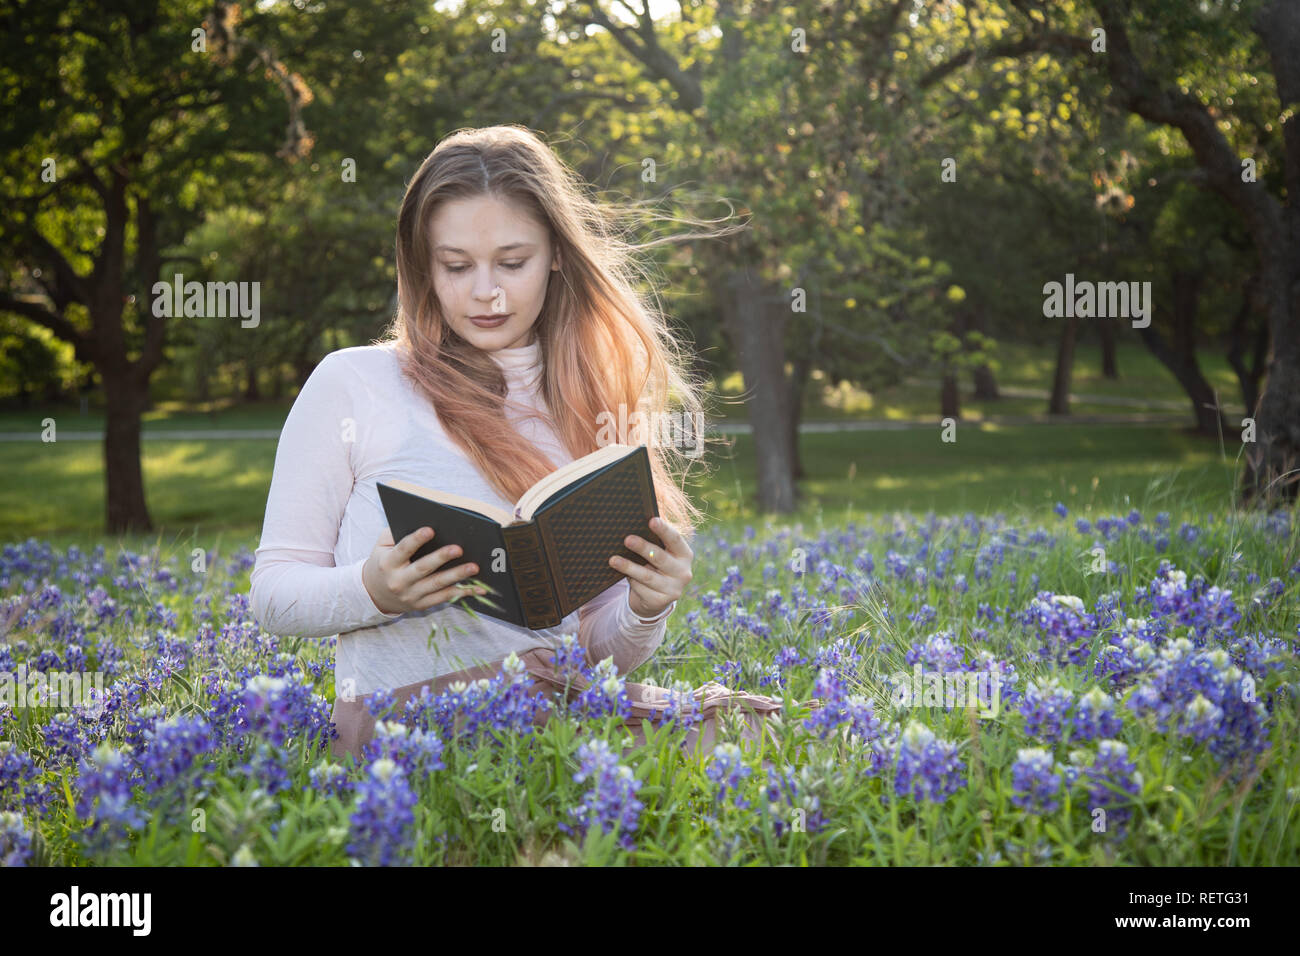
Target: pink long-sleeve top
358,421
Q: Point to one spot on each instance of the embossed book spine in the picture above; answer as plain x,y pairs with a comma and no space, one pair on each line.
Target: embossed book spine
531,576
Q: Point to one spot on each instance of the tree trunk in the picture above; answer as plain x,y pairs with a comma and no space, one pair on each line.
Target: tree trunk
125,396
1109,367
1059,404
1245,334
202,382
986,385
1180,355
760,351
798,384
949,399
1271,467
251,392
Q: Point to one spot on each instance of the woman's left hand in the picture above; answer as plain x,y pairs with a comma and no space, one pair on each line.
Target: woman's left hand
663,578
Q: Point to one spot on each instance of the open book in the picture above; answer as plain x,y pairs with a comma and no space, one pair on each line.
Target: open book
551,555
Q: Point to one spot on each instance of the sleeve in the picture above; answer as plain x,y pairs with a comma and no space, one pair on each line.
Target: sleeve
295,587
609,628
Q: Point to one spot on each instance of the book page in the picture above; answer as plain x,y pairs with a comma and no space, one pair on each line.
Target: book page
561,477
491,512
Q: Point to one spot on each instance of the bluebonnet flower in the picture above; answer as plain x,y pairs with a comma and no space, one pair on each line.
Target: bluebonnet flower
280,709
937,652
1201,719
15,840
610,804
104,785
1035,782
794,797
1044,709
684,709
840,707
728,771
730,581
173,751
266,764
1082,526
383,820
605,696
727,673
417,752
140,721
1064,628
1095,717
789,657
1112,780
380,703
1180,673
330,778
1258,654
64,740
838,654
503,704
927,766
20,786
1060,509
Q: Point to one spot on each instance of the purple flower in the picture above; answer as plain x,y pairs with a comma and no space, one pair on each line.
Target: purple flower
1035,781
1060,509
728,772
927,767
330,778
105,788
15,840
840,707
417,752
19,780
1044,709
792,801
1065,630
382,822
281,709
1095,717
611,803
173,752
605,696
1113,780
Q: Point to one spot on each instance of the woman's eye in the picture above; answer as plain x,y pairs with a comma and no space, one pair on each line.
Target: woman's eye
508,265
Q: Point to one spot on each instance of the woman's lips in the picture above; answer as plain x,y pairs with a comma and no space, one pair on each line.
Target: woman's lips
491,323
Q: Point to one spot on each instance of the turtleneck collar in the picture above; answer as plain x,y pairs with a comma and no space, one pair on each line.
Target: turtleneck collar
520,365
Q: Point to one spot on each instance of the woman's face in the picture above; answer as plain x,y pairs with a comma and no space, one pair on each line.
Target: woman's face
491,260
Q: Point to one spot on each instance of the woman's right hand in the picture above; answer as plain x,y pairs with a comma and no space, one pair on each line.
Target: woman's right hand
397,585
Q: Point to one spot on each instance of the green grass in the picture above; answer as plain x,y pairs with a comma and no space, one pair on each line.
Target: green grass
1021,366
221,485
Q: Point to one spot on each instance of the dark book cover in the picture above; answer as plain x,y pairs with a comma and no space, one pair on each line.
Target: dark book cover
543,569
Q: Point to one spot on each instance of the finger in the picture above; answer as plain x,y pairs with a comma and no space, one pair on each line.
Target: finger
673,540
403,550
649,595
434,560
655,554
444,580
649,576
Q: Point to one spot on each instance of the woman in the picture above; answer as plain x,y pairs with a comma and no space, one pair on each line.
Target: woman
518,326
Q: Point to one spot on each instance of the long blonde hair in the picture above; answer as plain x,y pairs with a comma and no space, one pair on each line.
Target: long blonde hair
602,345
